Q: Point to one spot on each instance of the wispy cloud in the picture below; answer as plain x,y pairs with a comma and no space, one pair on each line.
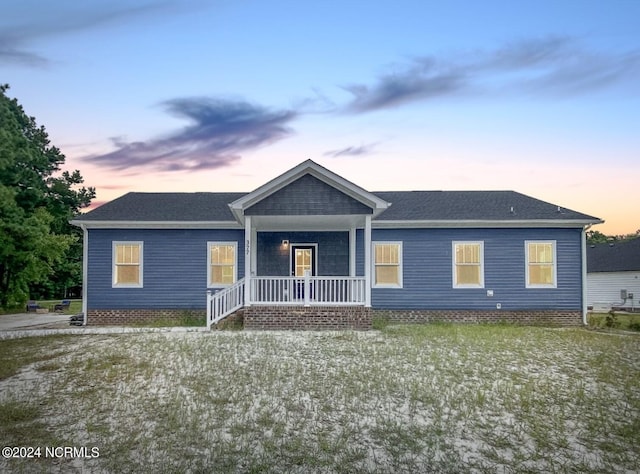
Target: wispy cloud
421,80
351,151
554,65
11,53
23,24
221,130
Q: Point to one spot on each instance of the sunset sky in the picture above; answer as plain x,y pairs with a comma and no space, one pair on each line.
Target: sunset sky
541,97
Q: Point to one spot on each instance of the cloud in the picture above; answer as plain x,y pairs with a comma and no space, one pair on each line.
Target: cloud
49,19
351,151
420,81
13,51
547,66
221,131
10,54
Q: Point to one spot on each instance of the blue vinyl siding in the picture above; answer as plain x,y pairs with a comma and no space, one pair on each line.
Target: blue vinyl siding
360,252
427,270
175,267
274,260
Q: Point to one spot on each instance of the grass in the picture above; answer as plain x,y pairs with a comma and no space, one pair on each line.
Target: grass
186,319
74,308
422,398
617,320
16,354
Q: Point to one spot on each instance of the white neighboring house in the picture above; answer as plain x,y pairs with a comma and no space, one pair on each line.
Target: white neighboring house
613,272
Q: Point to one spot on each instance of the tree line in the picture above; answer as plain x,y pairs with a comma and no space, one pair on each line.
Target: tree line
40,252
597,237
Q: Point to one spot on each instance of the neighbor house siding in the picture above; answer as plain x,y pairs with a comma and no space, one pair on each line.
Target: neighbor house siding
603,289
175,267
427,270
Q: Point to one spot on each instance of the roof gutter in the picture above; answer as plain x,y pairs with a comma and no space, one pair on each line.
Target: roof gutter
481,223
85,271
583,245
106,224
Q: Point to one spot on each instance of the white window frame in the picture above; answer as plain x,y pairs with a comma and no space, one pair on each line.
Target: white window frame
480,243
528,284
373,264
235,264
114,273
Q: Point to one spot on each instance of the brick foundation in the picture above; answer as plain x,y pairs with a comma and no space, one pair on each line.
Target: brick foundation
526,317
116,317
307,318
336,317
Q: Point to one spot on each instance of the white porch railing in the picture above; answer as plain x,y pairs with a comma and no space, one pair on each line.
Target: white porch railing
224,302
307,291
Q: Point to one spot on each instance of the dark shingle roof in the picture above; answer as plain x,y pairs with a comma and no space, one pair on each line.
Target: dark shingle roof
165,207
614,257
406,206
471,205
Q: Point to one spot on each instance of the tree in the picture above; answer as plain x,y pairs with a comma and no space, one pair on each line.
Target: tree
597,237
38,246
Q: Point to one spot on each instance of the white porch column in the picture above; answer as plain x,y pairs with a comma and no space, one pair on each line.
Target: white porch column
352,252
248,251
367,261
254,253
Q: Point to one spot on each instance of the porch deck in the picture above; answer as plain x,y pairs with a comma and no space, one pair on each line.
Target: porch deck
286,291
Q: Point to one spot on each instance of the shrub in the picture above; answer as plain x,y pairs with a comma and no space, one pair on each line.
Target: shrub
611,321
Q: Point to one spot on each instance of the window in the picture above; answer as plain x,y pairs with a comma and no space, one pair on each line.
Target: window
468,264
222,260
541,264
387,264
127,264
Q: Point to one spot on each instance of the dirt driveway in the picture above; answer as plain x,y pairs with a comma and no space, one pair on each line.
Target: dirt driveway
21,321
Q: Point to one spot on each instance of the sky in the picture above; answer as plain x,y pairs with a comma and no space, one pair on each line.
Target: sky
541,97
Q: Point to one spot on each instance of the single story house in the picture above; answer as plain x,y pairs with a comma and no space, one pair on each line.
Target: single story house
613,275
310,249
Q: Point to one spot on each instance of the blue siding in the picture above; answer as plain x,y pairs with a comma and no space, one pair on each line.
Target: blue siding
175,267
333,252
360,252
427,270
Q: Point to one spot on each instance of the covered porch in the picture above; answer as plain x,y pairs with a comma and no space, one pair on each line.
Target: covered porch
307,243
304,267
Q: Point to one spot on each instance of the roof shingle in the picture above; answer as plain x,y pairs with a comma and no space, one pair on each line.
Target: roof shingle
406,206
614,257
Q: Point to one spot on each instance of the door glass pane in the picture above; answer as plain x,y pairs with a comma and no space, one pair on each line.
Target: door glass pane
303,261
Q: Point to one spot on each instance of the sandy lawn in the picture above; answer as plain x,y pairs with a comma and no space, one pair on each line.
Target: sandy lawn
433,398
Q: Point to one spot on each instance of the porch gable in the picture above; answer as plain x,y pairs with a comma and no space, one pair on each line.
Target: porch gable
307,190
307,196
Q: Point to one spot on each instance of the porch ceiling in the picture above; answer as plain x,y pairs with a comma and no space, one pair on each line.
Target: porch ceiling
317,223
